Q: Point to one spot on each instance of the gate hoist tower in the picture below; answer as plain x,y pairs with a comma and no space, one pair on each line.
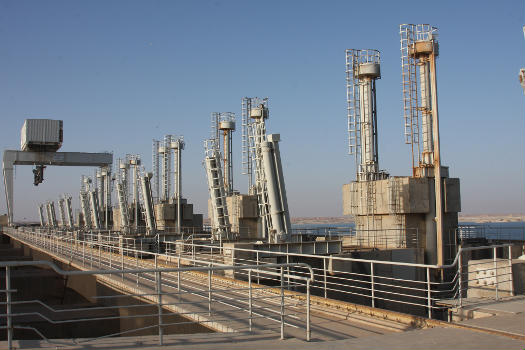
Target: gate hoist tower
224,123
404,212
269,180
172,210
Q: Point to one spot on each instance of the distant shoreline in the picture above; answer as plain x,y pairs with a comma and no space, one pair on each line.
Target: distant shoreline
476,218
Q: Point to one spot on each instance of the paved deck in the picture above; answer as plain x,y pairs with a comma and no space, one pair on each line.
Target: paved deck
432,338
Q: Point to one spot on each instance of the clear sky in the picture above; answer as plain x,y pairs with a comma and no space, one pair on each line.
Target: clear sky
120,73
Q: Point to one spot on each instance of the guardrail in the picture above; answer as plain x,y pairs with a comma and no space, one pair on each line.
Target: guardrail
379,283
490,232
192,292
406,287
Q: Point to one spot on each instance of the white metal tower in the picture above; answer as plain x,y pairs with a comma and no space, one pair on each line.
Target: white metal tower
41,215
62,211
95,209
277,215
84,201
225,122
123,206
262,152
135,162
362,71
69,211
177,145
52,218
165,154
247,104
419,50
103,183
148,205
156,170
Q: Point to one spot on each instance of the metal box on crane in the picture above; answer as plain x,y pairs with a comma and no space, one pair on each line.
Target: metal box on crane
42,135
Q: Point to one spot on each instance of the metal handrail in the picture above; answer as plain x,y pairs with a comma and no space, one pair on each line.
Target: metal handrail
418,289
158,272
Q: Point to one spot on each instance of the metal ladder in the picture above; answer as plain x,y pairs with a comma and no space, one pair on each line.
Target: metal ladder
216,188
246,106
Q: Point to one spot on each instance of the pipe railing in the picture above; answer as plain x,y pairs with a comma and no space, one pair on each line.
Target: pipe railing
372,282
172,289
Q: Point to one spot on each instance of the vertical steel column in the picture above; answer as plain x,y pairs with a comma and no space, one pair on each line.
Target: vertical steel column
137,264
135,198
209,292
258,280
179,185
308,329
460,279
250,297
121,246
159,304
372,283
510,271
8,308
437,162
495,253
324,271
282,303
178,277
429,298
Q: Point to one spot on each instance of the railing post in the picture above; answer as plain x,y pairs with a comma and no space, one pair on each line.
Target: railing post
159,305
83,252
282,303
8,306
308,329
325,272
510,271
460,279
372,286
288,268
137,264
495,253
91,250
178,277
429,300
99,251
209,291
121,246
250,298
257,262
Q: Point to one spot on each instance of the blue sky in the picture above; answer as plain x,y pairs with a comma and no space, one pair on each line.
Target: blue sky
120,73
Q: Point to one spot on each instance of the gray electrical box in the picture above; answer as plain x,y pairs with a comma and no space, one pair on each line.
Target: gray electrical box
41,135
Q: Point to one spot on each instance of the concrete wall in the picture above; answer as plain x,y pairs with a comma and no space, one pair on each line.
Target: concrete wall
242,212
402,209
166,216
483,277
